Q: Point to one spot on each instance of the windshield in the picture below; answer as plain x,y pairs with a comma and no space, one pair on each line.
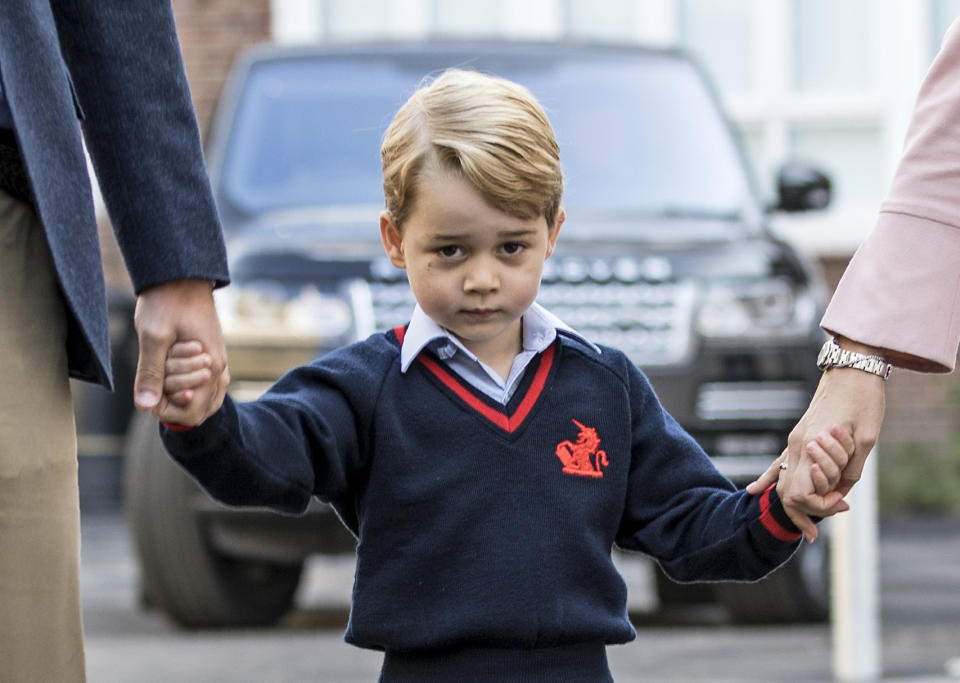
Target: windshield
639,134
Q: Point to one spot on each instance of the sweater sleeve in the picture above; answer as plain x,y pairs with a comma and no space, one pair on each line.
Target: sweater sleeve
682,512
901,291
306,436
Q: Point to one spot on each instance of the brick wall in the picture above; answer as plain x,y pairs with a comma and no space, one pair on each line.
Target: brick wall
212,32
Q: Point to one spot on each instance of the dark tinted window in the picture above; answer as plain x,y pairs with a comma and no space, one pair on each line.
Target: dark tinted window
639,135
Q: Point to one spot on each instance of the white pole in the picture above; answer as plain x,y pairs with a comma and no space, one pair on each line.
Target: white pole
855,604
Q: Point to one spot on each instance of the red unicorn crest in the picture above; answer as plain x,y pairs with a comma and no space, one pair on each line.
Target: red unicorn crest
583,458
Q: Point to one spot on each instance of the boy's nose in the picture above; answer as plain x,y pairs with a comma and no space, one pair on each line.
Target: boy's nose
481,277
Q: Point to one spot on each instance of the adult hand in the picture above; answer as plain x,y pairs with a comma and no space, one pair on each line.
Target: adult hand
846,400
179,310
812,487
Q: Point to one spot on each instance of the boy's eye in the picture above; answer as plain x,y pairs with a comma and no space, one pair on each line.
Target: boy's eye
449,251
512,248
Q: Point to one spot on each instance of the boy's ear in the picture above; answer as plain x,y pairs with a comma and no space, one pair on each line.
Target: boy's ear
554,230
392,240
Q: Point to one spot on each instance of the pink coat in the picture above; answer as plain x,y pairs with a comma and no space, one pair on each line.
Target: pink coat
901,291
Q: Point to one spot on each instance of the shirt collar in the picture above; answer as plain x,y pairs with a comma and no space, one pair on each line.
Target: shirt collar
540,328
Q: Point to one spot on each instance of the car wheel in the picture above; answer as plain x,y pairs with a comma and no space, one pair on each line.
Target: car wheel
799,591
180,571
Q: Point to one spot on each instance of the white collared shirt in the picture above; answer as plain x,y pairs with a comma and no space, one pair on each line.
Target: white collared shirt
539,327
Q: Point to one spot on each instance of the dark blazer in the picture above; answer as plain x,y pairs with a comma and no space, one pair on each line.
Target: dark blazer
115,67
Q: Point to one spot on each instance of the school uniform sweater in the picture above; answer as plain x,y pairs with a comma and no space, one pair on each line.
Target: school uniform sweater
487,528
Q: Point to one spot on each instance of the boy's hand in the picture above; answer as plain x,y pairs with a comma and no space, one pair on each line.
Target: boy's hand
178,310
829,453
850,400
186,369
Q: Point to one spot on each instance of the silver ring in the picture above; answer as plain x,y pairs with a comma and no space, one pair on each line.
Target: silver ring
783,466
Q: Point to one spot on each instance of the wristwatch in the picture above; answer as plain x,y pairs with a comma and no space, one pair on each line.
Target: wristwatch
833,356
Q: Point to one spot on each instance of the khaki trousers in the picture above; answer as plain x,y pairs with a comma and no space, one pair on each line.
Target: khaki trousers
41,635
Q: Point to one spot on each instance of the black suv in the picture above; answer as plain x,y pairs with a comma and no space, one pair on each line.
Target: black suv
664,254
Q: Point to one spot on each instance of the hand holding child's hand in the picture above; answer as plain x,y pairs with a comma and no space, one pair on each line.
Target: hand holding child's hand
829,454
186,369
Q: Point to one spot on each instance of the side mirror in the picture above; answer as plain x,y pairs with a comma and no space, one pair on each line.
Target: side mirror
802,188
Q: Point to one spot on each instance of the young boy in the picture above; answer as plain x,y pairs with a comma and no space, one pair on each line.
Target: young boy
486,456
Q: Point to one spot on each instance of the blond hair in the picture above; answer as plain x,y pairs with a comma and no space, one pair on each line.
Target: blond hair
489,130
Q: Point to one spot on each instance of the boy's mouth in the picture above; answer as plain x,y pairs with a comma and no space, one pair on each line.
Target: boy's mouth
479,313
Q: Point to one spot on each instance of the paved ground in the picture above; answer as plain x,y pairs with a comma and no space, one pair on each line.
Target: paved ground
920,583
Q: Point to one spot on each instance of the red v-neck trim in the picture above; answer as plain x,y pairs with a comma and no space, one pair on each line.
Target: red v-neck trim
507,423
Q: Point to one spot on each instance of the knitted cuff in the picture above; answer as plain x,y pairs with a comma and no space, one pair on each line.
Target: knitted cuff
774,518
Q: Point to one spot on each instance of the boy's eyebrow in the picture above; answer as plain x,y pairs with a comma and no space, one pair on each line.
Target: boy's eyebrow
516,233
503,234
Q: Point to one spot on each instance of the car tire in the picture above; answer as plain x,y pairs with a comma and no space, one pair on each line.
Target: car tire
797,592
180,571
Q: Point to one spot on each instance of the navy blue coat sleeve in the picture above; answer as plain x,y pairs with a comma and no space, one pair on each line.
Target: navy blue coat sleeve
681,511
142,135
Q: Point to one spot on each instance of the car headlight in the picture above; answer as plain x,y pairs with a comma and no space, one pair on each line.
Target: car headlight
756,311
266,313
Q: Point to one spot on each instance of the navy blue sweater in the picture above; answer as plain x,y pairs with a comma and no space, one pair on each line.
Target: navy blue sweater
483,525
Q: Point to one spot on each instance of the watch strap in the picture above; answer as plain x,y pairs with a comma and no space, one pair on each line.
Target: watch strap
832,355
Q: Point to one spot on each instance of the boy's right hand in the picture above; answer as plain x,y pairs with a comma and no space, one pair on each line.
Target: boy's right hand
186,369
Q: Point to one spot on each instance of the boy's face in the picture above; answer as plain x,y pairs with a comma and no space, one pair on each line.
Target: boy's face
472,268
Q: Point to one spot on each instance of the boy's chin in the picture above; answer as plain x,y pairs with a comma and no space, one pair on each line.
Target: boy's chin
486,333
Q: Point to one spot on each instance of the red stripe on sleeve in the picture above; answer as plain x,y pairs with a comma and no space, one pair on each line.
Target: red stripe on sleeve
770,523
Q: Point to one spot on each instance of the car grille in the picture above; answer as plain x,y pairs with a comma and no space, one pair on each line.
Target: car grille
649,321
752,400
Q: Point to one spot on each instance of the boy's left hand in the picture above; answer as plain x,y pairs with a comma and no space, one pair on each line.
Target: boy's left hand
830,452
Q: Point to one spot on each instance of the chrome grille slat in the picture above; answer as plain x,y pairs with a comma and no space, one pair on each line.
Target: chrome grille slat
752,400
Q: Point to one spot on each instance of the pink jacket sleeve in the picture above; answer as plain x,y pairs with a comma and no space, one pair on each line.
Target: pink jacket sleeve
901,291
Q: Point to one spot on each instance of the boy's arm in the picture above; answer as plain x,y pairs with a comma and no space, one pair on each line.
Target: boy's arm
239,473
302,438
681,511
